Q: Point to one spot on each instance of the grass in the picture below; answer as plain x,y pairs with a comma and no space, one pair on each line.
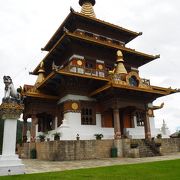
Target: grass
169,170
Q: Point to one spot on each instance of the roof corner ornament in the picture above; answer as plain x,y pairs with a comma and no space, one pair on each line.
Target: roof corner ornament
151,108
56,67
65,29
72,10
158,107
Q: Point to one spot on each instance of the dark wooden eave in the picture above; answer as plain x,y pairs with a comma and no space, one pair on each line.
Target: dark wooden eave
153,93
140,58
73,17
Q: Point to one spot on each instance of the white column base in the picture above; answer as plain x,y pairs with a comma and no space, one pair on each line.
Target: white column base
11,165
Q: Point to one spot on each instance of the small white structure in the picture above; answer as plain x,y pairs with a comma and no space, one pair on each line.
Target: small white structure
165,130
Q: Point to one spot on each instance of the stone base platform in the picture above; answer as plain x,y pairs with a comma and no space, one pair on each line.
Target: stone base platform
11,166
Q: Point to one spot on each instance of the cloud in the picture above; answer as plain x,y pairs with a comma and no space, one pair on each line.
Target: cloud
26,26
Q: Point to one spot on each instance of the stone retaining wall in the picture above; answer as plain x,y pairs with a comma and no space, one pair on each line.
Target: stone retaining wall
70,150
170,145
91,149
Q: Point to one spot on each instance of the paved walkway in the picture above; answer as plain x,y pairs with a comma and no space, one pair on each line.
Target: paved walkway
36,166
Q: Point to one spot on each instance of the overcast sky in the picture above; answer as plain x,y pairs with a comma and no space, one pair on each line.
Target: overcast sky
26,26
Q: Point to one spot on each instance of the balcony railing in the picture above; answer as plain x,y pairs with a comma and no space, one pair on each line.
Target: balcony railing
115,78
86,71
120,79
146,82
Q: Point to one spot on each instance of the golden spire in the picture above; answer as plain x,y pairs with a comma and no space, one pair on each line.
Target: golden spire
120,69
41,75
87,7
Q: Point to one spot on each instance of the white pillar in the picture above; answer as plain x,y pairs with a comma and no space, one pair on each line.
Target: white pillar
9,138
10,164
55,122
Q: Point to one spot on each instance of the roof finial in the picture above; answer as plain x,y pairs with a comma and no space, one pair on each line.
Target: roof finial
120,69
87,7
41,73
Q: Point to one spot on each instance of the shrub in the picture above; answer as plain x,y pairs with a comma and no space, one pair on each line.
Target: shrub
57,136
41,137
159,136
98,136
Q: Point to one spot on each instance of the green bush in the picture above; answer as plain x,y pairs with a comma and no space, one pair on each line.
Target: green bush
98,136
159,136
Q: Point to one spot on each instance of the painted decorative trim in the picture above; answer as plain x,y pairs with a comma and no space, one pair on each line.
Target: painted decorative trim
11,110
71,106
75,106
79,63
150,113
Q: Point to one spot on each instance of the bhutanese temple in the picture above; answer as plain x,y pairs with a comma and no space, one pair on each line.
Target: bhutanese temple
89,83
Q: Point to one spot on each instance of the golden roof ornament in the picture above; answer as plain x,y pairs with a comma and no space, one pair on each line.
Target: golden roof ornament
41,73
120,69
87,7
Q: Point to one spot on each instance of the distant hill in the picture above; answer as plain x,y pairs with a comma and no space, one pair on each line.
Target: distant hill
19,133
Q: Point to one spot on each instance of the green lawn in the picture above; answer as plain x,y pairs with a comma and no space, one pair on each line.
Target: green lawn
169,170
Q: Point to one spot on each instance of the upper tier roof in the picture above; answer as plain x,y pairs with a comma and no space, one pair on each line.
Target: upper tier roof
77,20
135,58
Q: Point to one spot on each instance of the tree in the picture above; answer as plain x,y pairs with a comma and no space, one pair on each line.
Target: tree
1,134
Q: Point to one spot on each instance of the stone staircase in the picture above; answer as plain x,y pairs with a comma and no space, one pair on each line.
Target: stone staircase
147,148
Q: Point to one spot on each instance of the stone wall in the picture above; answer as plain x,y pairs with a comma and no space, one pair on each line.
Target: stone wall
70,150
92,149
170,145
24,151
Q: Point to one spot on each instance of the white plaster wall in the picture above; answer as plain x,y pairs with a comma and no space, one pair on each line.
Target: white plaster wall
138,131
72,126
154,131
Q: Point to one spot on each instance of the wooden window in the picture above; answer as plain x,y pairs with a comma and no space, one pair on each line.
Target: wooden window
90,63
88,116
140,117
109,67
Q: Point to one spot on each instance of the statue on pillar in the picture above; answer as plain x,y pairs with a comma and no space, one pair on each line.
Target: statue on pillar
10,111
10,93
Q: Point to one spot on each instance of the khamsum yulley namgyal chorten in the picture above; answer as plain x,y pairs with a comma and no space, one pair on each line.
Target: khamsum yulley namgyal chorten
89,83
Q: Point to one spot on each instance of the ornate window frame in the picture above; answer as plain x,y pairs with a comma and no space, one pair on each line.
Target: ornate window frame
88,113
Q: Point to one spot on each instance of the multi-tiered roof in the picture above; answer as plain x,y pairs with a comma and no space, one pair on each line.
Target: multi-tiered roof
83,38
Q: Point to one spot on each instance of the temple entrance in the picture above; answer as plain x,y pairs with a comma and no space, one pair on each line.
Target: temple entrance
45,122
126,118
108,119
